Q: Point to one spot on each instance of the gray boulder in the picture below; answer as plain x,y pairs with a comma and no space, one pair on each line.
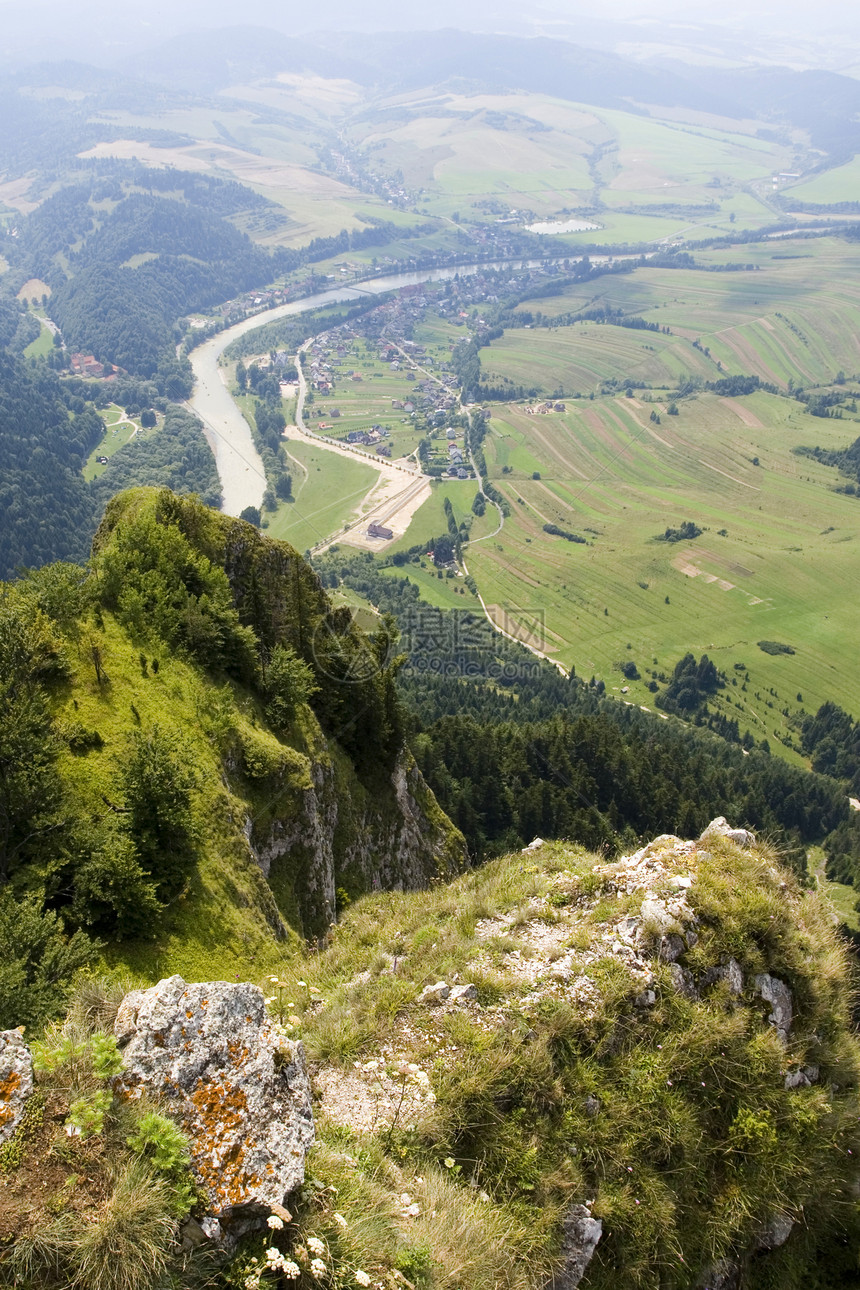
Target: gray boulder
434,994
463,994
237,1085
778,995
581,1234
725,1274
16,1081
721,828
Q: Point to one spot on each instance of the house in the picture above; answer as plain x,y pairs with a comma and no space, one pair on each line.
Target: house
397,405
379,531
408,407
383,450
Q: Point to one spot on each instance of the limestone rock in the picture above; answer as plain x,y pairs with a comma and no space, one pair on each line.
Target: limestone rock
803,1078
238,1087
725,1274
776,1233
434,994
581,1234
778,995
463,994
16,1081
721,827
682,980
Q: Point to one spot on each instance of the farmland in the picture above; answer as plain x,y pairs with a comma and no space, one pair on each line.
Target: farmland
791,316
777,559
327,493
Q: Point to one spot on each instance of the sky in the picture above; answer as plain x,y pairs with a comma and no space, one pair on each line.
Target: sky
88,30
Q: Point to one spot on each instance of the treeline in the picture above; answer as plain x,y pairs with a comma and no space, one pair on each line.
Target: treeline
846,460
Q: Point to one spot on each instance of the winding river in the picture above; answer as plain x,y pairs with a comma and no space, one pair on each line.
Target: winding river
240,469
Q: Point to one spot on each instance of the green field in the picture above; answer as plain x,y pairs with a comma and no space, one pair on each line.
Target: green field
120,429
841,184
42,345
327,493
777,559
793,316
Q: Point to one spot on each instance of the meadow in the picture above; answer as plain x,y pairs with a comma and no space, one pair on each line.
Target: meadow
120,428
776,559
327,492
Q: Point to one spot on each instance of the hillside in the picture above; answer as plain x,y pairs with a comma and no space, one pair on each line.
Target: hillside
552,1071
202,759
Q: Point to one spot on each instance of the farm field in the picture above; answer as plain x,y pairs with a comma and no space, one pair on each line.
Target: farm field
792,317
327,492
777,559
430,520
841,184
120,429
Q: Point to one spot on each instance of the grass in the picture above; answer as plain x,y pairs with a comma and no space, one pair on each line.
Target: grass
674,1122
120,428
327,493
781,569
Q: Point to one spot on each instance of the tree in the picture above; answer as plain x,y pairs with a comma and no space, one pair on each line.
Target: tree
157,783
288,682
37,962
252,515
148,418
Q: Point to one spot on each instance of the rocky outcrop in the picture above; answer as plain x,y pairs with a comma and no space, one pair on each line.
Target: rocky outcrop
236,1085
580,1235
778,995
16,1081
334,833
721,828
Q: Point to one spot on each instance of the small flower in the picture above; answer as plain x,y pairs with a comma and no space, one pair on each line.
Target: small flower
273,1257
294,1020
405,1198
340,1220
291,1270
274,980
271,999
275,1223
482,1195
413,1210
448,1162
361,1278
318,1268
315,1245
304,983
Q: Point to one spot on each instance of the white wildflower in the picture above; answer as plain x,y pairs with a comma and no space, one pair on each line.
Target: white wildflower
361,1278
273,1257
315,1245
274,980
275,1223
291,1270
340,1220
405,1198
271,999
318,1268
413,1210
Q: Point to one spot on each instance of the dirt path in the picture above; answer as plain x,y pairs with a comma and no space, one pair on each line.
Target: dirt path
748,418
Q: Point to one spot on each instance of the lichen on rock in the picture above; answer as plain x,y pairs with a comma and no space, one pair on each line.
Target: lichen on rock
238,1087
16,1081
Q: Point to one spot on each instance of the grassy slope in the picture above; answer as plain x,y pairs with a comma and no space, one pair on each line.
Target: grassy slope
636,1111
